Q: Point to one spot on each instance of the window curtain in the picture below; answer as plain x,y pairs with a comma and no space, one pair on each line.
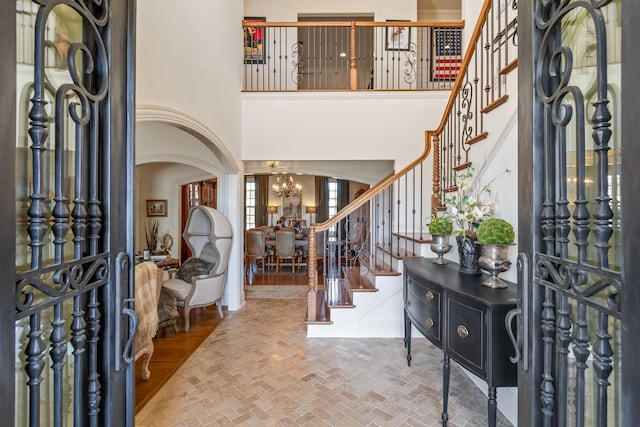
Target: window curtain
343,193
343,200
262,199
322,199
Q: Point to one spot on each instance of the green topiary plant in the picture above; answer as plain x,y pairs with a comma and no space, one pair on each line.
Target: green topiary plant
440,225
495,231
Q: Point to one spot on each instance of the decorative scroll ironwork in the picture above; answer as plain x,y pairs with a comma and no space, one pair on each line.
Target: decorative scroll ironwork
587,285
410,71
466,114
297,53
68,279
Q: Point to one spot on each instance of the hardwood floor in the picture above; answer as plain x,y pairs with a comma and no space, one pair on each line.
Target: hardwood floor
172,349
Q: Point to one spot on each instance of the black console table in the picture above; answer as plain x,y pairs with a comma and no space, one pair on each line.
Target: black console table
463,318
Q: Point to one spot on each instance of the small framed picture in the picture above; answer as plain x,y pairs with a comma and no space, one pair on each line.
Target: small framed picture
254,41
156,208
398,37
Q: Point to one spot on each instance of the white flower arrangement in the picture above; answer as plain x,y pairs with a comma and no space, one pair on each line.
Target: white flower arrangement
466,206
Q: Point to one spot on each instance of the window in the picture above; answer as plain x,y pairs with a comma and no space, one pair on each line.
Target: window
333,202
333,197
249,203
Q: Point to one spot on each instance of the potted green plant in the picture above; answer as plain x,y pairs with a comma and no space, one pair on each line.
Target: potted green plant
440,225
495,235
440,229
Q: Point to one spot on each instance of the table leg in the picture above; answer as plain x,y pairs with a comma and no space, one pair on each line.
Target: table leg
407,337
446,365
493,406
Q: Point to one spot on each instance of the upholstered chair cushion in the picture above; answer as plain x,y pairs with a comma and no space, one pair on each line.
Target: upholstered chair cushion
193,267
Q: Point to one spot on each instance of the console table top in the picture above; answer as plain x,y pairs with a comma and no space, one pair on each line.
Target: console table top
448,276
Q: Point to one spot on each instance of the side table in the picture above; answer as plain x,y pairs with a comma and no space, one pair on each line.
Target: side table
464,319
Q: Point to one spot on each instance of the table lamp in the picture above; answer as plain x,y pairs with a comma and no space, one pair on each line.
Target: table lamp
271,210
311,210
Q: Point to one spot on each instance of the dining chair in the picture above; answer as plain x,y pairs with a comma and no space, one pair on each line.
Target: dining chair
286,249
254,249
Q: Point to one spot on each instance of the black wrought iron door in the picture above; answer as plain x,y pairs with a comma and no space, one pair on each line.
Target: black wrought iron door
579,182
66,114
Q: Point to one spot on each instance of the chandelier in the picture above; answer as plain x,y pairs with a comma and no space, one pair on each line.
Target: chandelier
286,187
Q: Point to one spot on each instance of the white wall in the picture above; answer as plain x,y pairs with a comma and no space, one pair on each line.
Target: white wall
364,126
187,59
288,10
189,62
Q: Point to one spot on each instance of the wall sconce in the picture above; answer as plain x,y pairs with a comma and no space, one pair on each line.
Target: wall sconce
311,210
271,210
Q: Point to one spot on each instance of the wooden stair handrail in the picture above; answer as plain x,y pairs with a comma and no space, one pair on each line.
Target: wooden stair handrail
430,136
452,24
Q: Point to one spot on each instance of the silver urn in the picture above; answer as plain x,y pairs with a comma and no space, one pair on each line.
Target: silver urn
440,246
495,260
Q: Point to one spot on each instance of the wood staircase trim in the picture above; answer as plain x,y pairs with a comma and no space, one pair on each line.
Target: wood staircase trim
495,104
319,309
395,251
412,236
472,141
380,268
357,282
509,67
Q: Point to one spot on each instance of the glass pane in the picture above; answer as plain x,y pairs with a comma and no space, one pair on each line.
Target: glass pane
579,34
600,181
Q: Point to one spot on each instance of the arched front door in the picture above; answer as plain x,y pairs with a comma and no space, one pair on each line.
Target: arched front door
66,132
579,182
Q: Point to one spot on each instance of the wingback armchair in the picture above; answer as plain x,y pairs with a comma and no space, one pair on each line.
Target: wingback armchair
200,280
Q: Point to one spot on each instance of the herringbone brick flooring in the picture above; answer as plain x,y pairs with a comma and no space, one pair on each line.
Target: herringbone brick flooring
258,369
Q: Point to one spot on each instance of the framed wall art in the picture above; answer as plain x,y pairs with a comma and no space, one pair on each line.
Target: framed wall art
254,41
292,206
397,37
156,207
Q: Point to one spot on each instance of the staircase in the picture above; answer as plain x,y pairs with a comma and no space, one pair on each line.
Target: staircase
361,295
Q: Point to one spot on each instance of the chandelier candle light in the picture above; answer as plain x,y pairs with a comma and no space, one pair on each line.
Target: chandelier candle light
285,186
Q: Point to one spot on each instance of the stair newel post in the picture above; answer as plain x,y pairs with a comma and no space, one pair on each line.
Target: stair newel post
312,274
353,72
436,200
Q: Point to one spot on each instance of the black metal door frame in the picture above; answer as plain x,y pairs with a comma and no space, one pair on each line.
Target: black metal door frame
8,213
103,325
536,388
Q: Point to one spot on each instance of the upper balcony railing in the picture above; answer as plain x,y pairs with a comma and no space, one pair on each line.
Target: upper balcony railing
341,56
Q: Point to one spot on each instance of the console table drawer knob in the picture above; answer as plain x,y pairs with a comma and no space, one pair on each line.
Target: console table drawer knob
462,331
408,302
430,322
429,296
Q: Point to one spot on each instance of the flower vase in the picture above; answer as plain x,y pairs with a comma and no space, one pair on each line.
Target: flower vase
469,254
